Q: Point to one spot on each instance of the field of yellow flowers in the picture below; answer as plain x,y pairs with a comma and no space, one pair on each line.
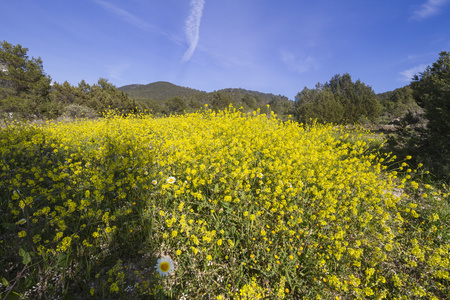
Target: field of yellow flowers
214,205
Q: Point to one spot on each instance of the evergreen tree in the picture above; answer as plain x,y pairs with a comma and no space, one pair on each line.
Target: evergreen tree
24,87
176,105
339,101
431,90
221,101
318,104
359,100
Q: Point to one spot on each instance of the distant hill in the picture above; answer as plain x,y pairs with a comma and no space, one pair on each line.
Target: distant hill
166,98
160,90
238,93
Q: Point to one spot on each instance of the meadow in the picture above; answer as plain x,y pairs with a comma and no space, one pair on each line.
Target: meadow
215,205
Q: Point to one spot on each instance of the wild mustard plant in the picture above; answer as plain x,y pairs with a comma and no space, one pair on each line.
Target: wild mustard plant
246,206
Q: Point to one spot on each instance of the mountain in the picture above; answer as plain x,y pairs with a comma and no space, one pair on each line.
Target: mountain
166,98
160,90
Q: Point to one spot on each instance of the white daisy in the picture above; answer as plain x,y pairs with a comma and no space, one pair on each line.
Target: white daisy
164,266
154,182
171,179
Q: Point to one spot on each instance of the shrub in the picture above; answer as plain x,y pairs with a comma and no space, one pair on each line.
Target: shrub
80,111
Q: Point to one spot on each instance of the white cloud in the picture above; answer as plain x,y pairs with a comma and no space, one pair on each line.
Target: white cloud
192,28
428,9
298,64
407,75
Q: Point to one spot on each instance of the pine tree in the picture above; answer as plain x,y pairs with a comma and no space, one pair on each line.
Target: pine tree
24,87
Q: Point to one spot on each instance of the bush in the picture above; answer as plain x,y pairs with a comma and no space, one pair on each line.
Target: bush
80,111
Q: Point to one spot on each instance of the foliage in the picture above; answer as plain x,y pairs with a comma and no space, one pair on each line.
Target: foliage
221,101
76,111
431,89
428,140
318,104
24,87
281,105
246,207
98,97
339,101
398,103
159,97
159,91
176,105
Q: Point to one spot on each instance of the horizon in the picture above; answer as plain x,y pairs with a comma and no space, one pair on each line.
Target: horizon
277,48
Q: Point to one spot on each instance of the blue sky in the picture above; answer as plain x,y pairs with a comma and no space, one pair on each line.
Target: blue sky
270,46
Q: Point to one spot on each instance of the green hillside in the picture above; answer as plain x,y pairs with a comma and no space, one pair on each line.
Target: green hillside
166,98
160,90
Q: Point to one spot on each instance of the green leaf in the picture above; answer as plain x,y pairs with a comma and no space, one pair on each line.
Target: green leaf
5,282
26,258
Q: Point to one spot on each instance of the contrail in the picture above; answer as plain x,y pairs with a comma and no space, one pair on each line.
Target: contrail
192,28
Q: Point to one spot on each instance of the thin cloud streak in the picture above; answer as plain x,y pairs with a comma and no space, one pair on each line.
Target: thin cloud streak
407,75
428,9
298,64
133,20
192,28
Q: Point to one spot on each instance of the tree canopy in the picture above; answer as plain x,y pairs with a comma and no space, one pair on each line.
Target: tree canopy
24,87
339,101
431,90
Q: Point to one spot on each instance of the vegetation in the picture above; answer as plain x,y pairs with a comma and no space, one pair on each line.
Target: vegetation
24,87
26,92
229,205
397,104
339,101
163,98
159,90
431,90
224,203
425,133
96,98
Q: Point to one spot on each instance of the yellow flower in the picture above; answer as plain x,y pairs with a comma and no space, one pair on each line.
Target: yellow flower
22,234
